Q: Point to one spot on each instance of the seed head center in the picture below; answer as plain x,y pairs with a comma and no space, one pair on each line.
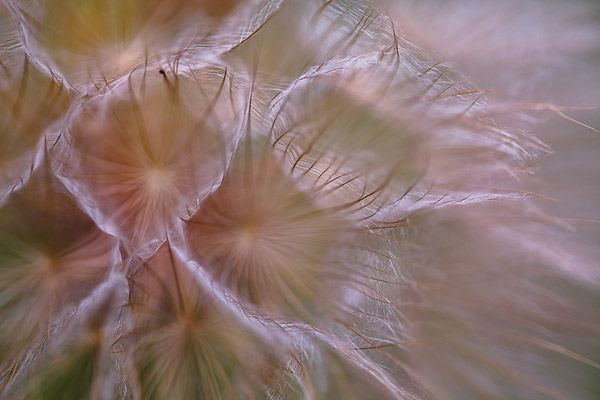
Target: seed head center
157,179
248,236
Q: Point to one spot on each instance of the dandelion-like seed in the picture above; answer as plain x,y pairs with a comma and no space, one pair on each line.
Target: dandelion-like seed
174,324
298,199
53,257
247,232
142,157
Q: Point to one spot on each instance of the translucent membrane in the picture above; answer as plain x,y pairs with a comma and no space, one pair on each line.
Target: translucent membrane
148,151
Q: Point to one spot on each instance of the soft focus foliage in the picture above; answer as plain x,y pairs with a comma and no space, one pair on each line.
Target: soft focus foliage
298,199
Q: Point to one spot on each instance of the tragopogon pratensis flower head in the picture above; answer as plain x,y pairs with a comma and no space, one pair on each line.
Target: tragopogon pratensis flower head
298,199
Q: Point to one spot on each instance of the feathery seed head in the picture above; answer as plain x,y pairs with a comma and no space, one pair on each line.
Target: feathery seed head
295,199
51,257
250,229
174,323
149,150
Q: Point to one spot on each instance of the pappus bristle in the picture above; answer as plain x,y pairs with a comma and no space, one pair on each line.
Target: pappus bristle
149,147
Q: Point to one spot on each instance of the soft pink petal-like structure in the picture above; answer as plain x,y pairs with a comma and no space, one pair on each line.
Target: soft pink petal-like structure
145,153
247,231
299,199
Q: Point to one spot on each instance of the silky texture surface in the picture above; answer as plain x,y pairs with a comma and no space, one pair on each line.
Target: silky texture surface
299,199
